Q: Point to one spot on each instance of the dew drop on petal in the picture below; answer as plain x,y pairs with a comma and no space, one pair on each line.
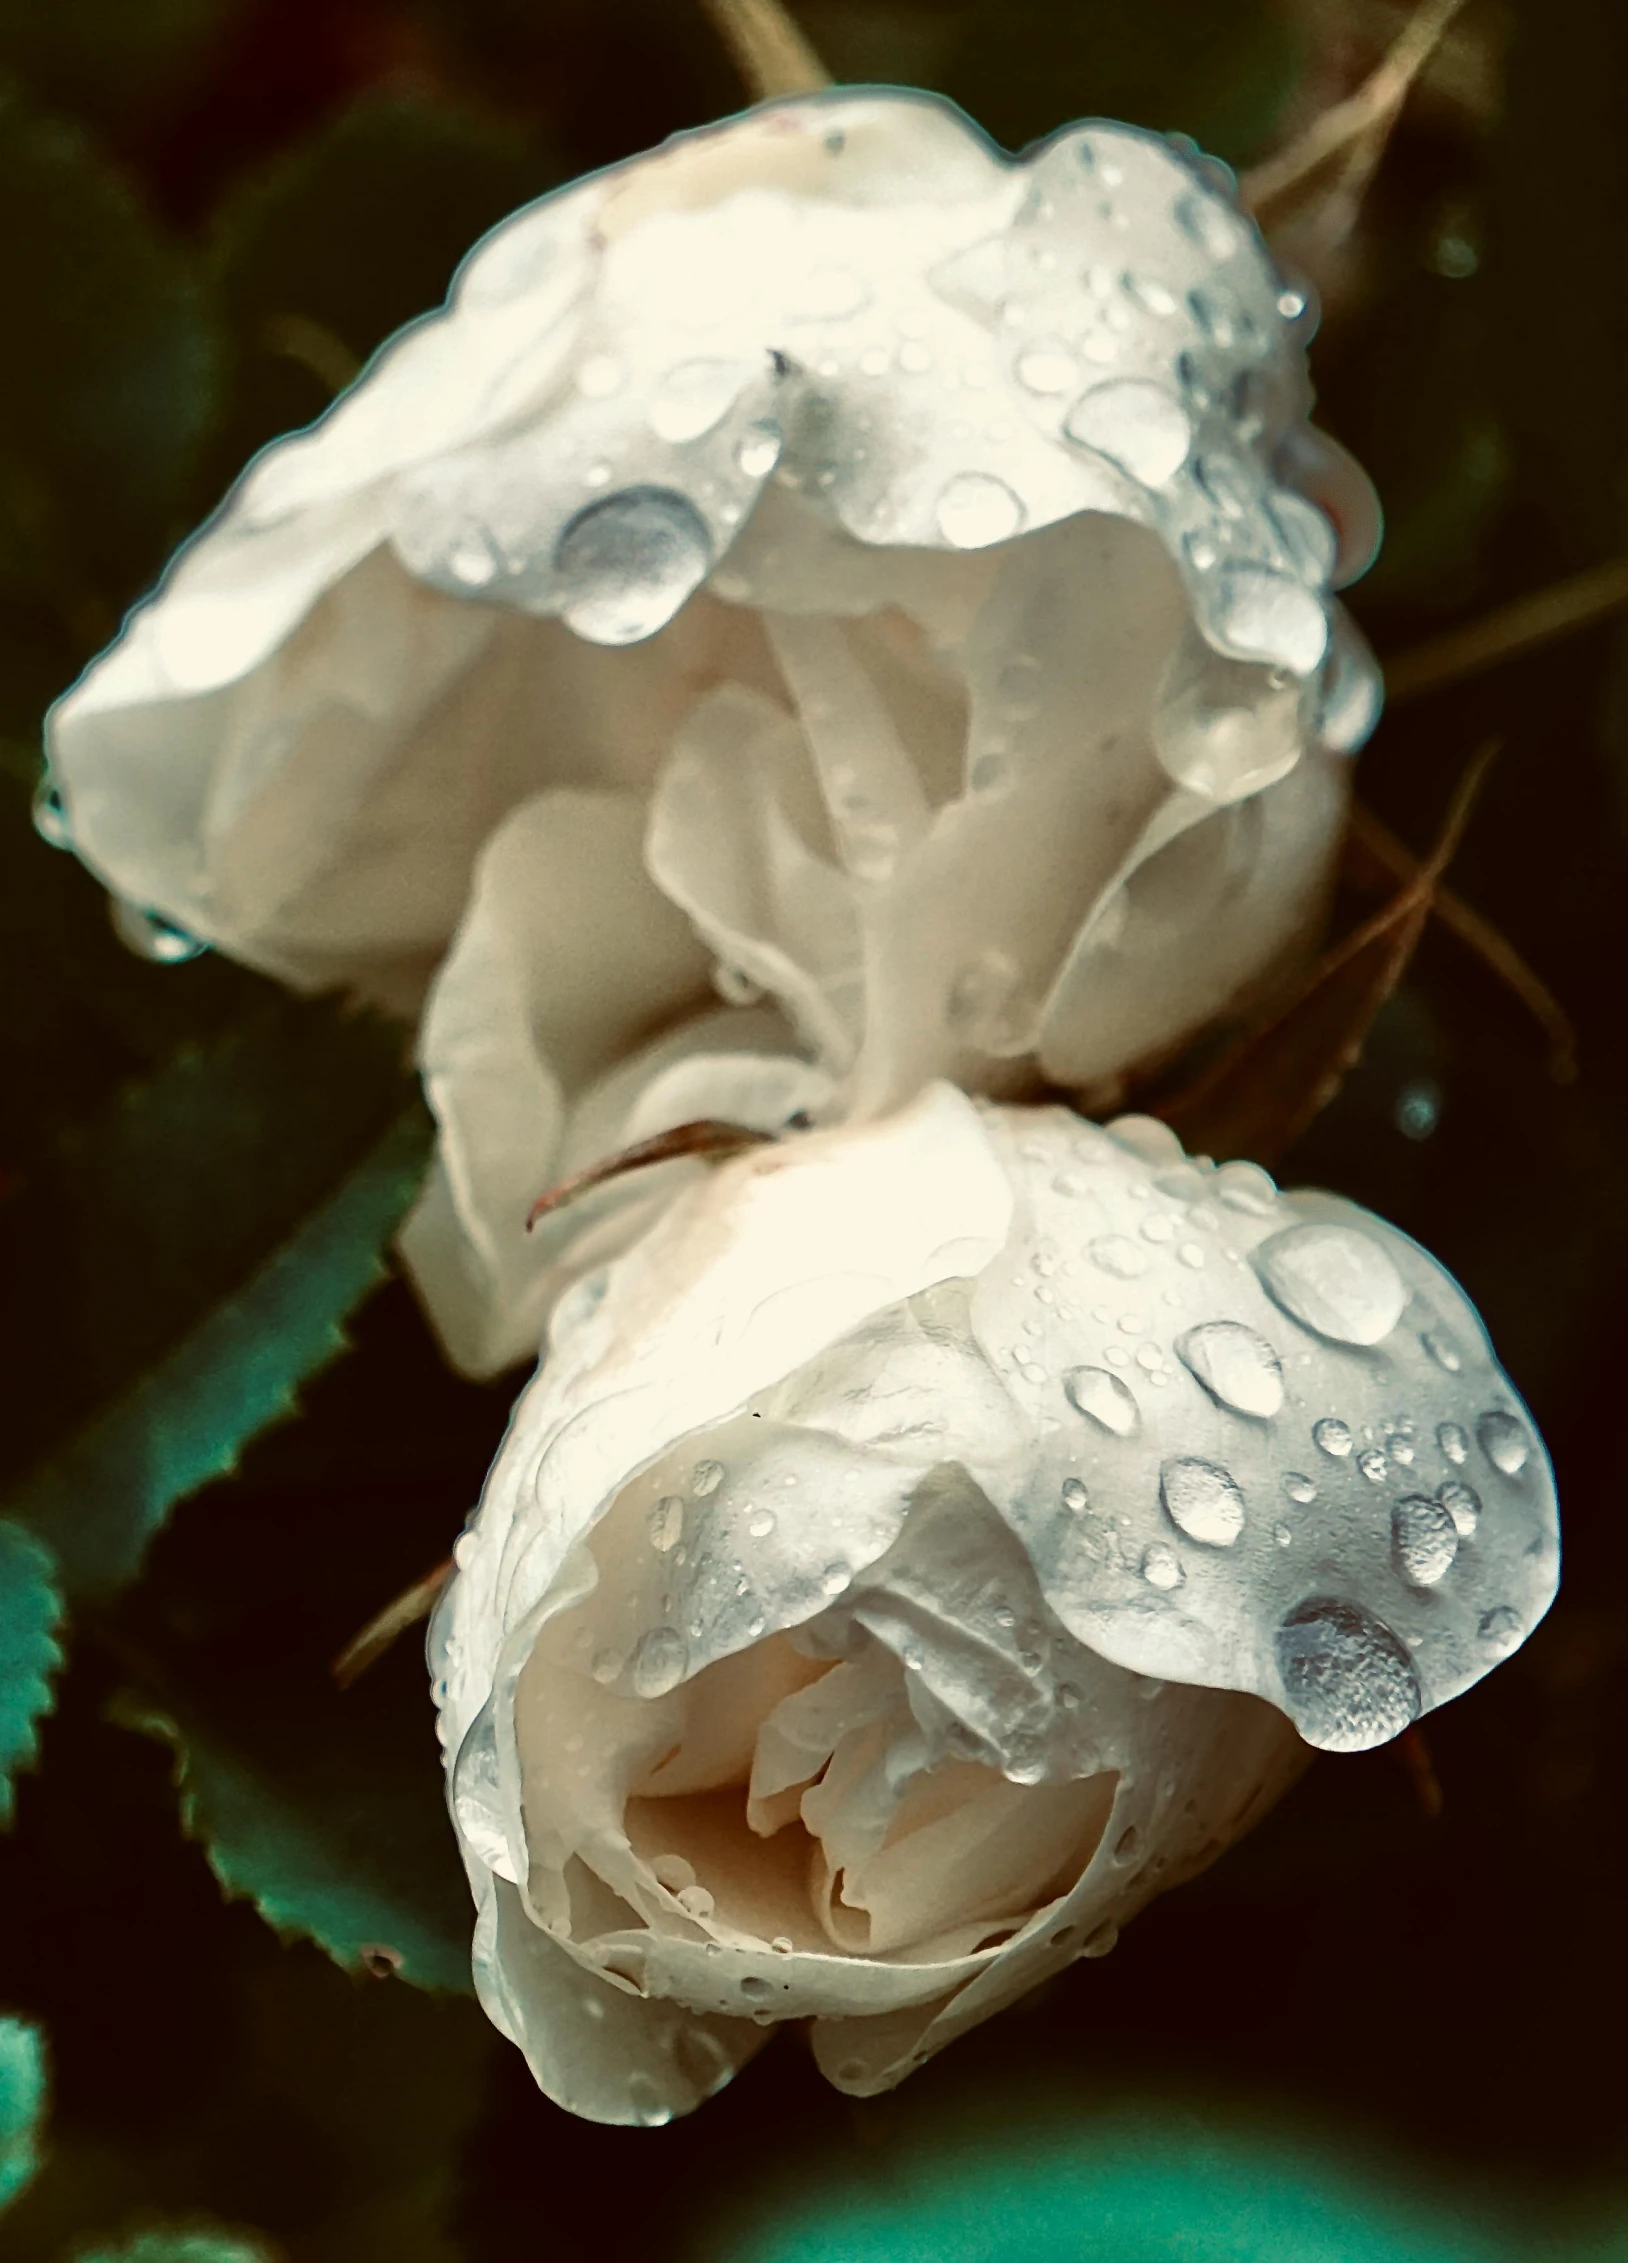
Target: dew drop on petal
705,1478
1136,424
666,1523
1424,1534
659,1661
607,1664
1236,1366
153,937
1048,369
1075,1496
1263,615
51,816
1332,1436
1373,1465
1504,1442
695,396
1161,1566
626,562
1117,1254
1202,1500
1334,1281
760,1523
1454,1441
1462,1503
835,1578
1500,1628
1105,1398
1348,1682
1206,223
1299,1489
647,2108
1245,1187
976,509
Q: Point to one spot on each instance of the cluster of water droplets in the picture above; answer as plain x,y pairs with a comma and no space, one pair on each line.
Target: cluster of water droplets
1277,1452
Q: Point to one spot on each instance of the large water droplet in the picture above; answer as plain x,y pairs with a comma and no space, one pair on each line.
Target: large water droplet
1425,1536
1203,1500
1263,615
647,2109
1137,425
1504,1442
1333,1280
151,936
626,563
705,1478
477,1800
659,1661
667,1524
1332,1436
1462,1503
1454,1440
976,509
1500,1628
1106,1398
1237,1367
1348,1682
1307,537
695,396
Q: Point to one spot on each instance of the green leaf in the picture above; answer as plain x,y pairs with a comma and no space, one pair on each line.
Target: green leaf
22,2104
197,2243
107,386
320,257
322,1807
1220,70
30,1613
191,1264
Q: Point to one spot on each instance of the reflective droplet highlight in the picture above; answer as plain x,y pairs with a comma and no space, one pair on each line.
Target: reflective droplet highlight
1237,1367
1105,1398
976,509
626,563
1332,1436
1333,1280
1348,1682
1203,1500
1504,1442
659,1661
1136,424
1424,1534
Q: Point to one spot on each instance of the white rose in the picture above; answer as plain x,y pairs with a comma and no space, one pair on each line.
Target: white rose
827,550
921,1549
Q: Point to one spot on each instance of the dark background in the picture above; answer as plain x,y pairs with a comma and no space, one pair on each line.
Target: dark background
210,212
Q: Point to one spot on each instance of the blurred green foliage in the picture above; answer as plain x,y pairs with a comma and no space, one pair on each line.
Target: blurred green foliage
1363,2034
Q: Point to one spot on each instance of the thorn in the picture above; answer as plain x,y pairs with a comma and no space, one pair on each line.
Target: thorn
705,1137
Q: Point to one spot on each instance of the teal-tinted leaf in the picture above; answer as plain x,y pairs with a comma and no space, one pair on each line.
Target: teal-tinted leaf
107,384
322,1807
1220,70
322,256
194,2243
22,2104
189,1264
30,1614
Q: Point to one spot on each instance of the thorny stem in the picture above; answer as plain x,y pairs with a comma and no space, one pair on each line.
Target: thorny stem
1480,936
769,50
1505,634
705,1137
1352,133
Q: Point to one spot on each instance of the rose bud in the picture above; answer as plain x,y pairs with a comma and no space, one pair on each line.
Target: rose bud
932,1540
826,558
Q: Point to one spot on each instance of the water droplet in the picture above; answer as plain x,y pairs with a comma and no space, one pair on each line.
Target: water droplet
1454,1441
477,1796
1399,1445
1216,313
1373,1465
151,936
705,1478
758,450
607,1664
1263,615
760,1523
835,1578
1107,1399
648,2109
1161,1566
1048,368
754,1985
626,563
1118,1254
1500,1627
1147,292
1282,1535
1236,1366
695,396
1208,224
1191,1254
1126,1844
1299,1488
1425,1536
1333,1280
659,1662
1442,1350
472,559
1462,1503
51,816
1504,1442
666,1522
1075,1496
1349,1682
1307,536
976,509
1136,424
1332,1435
1247,1188
1203,1500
